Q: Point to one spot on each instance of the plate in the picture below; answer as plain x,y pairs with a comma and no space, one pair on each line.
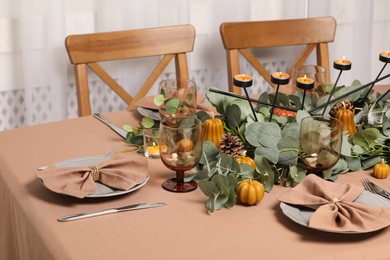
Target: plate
102,190
149,112
302,215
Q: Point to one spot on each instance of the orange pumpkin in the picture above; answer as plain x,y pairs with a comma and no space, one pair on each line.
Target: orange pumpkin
245,159
381,170
250,192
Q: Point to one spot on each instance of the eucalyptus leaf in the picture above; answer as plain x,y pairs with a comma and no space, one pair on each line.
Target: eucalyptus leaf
291,129
234,116
288,147
202,115
147,122
345,145
263,134
127,128
297,174
208,188
222,183
264,97
209,152
172,105
159,99
354,163
246,171
365,138
266,172
370,162
270,153
301,114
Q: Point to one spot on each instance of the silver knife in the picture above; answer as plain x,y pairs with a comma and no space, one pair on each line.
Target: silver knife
110,211
116,129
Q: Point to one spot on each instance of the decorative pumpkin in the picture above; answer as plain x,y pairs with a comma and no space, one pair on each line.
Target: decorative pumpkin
283,112
213,130
245,159
185,145
381,170
345,112
250,192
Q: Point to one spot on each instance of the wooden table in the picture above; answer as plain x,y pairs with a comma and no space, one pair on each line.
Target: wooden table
183,229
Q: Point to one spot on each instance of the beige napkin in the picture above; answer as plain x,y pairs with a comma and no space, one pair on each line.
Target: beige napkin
334,206
123,171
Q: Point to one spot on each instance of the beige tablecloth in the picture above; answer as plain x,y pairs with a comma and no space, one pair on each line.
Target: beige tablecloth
181,230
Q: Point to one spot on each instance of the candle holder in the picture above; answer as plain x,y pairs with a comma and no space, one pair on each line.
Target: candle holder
304,83
384,57
278,78
245,81
341,65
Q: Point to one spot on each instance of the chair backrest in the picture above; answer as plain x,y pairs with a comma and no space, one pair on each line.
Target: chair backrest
240,37
86,50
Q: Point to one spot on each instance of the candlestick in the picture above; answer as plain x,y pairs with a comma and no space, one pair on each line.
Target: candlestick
385,56
280,78
342,64
245,81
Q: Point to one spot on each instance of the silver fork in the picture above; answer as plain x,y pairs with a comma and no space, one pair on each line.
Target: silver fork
372,187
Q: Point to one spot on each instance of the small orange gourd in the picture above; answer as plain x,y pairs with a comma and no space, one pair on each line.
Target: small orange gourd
213,130
245,159
284,112
250,192
381,170
345,112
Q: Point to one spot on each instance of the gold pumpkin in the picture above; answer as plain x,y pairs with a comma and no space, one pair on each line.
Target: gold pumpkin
213,130
245,159
381,170
345,112
250,192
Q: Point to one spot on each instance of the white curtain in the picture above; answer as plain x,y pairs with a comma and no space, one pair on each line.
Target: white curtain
37,81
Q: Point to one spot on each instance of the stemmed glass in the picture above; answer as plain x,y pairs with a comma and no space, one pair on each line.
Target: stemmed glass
320,140
180,98
182,138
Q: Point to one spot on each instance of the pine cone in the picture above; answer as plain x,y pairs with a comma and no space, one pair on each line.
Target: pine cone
343,104
231,145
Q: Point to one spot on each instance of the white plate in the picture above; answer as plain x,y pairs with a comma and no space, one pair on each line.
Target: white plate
150,113
102,190
302,215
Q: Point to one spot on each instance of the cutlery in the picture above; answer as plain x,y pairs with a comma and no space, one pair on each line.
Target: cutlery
110,211
372,187
116,129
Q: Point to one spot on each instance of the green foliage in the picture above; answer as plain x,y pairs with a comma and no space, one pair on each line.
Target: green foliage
274,145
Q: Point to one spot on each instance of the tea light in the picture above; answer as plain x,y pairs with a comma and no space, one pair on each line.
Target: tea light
153,151
385,56
342,64
242,81
305,83
280,78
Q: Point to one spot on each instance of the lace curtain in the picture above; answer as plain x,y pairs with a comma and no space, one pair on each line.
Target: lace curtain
37,81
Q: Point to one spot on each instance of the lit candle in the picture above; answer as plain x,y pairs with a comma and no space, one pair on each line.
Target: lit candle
280,78
153,150
385,56
342,64
305,83
242,81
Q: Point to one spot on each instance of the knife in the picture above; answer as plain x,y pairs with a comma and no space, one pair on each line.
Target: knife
110,211
116,129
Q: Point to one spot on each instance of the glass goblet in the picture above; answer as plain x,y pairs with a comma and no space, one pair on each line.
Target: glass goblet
320,140
182,142
180,98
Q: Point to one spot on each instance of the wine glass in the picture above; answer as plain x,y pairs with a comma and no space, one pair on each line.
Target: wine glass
315,72
180,98
182,142
320,140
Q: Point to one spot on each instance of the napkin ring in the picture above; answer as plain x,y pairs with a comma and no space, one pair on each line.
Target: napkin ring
335,200
95,173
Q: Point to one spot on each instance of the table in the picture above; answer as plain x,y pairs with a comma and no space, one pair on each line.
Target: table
183,229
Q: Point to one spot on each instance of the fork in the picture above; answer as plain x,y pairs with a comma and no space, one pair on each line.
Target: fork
372,187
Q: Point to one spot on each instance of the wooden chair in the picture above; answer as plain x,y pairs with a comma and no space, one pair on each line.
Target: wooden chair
240,37
86,50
